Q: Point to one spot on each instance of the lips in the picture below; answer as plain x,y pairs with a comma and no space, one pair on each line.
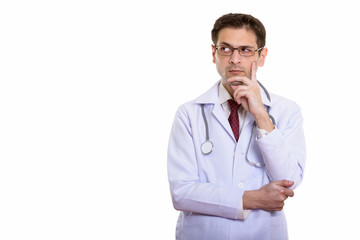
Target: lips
236,71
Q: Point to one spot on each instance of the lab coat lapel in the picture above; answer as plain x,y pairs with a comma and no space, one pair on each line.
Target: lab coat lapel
212,97
219,114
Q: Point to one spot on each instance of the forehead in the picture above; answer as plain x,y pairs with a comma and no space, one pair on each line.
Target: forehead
237,37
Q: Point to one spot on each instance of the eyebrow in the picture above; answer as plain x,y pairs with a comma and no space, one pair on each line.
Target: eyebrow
225,43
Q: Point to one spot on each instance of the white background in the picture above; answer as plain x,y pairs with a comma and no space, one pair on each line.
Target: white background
89,89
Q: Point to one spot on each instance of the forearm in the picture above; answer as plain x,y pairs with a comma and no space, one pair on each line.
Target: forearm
263,121
283,158
207,198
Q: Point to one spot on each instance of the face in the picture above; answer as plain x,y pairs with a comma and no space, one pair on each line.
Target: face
236,65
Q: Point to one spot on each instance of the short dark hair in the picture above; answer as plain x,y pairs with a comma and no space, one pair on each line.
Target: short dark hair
238,20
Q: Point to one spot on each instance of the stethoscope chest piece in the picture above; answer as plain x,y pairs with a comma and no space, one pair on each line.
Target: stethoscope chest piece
206,147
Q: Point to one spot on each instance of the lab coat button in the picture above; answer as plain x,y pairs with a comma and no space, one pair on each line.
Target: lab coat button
241,185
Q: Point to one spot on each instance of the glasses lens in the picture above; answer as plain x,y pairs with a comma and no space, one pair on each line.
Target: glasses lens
225,50
228,50
247,51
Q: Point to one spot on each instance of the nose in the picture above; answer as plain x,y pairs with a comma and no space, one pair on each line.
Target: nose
235,57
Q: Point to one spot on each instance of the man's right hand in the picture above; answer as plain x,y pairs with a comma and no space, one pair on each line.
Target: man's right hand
270,197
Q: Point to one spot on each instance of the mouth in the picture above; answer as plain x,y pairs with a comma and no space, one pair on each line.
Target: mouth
236,71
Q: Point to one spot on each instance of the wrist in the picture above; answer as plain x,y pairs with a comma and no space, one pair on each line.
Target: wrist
263,121
249,200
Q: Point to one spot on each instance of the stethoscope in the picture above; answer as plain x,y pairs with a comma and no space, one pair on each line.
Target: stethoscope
207,146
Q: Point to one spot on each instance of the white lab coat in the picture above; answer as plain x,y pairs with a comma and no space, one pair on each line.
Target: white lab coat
208,189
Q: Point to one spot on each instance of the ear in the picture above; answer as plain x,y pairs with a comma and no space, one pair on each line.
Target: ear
213,53
263,55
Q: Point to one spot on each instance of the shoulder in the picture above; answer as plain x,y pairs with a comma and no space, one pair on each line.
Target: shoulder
211,96
285,111
186,109
283,104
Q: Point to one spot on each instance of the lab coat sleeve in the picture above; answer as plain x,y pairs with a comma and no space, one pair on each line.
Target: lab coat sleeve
188,193
283,149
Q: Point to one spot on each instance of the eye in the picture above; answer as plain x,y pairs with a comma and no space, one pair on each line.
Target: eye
224,49
247,50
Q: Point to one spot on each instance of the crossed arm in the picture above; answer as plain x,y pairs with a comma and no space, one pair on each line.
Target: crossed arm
191,195
286,146
270,197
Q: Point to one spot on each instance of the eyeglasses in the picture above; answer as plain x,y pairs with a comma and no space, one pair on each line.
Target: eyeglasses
227,50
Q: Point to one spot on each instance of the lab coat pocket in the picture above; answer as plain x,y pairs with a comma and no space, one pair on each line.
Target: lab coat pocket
268,225
278,226
204,227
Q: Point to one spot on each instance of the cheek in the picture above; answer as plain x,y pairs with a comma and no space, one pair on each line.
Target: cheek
220,69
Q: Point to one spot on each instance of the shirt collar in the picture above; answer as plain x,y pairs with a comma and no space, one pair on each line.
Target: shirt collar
218,94
224,95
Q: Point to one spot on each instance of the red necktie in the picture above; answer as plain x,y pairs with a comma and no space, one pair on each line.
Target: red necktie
234,118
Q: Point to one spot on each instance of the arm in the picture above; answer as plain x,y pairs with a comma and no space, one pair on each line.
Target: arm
188,192
283,149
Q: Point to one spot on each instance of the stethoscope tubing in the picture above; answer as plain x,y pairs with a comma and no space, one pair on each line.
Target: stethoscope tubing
207,146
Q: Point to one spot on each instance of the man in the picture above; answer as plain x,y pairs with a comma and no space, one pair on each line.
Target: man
236,152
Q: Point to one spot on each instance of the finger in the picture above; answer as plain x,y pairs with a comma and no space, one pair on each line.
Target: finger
242,88
285,183
288,192
240,96
239,81
240,92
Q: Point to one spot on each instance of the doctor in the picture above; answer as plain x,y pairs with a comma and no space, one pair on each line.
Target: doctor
235,185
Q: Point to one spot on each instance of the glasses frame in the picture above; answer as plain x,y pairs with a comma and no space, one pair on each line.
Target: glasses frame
239,50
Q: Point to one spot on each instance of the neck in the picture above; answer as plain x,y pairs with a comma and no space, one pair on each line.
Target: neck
228,87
